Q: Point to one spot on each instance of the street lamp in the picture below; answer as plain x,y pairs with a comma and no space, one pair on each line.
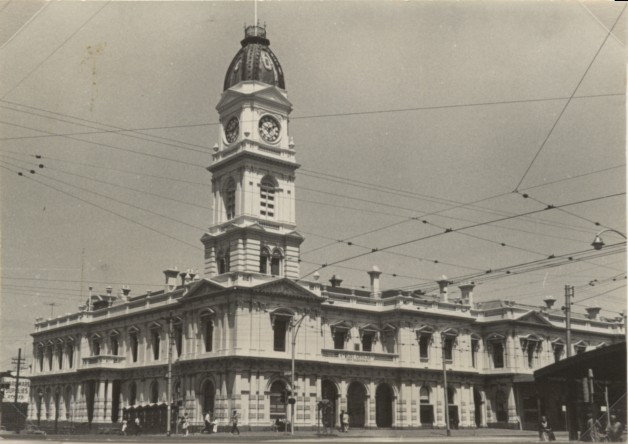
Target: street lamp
295,329
598,243
40,395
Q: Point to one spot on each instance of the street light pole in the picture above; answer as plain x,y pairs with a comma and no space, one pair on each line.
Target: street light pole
446,388
598,243
569,291
295,329
169,377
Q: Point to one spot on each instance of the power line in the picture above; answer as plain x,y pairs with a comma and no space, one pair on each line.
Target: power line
57,49
90,165
141,153
118,201
304,117
111,212
465,228
115,185
568,102
623,165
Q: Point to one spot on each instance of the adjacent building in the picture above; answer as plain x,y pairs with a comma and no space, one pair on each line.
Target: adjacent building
232,332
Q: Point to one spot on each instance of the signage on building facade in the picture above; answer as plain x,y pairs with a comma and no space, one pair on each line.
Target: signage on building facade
22,393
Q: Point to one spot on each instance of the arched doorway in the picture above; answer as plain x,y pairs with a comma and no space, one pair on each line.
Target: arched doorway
278,396
477,401
208,392
356,404
330,412
384,406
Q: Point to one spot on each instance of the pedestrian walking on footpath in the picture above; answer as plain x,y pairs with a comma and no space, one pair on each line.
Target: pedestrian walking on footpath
185,424
138,426
234,423
345,420
124,426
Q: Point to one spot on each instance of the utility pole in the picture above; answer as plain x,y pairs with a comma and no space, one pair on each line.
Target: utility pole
295,330
17,380
446,389
169,376
569,291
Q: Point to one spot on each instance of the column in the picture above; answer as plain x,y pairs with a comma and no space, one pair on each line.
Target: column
512,406
370,405
108,398
440,405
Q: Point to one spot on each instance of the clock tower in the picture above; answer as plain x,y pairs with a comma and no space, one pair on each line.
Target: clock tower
253,170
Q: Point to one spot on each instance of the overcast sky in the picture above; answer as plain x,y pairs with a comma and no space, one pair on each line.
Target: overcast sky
419,106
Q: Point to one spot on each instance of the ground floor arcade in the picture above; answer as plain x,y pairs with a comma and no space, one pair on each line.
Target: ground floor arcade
374,397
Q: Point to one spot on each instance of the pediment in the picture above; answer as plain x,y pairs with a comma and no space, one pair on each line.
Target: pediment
201,287
286,287
533,317
248,92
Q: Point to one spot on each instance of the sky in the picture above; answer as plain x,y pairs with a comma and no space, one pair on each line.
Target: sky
410,119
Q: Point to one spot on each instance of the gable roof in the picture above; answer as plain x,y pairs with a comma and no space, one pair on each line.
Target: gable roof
201,287
286,287
533,317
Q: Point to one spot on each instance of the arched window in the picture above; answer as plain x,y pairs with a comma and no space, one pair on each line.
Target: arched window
154,392
134,343
264,255
268,188
224,258
177,328
277,394
70,352
155,339
40,356
132,393
207,402
426,408
270,263
114,339
207,330
96,345
229,198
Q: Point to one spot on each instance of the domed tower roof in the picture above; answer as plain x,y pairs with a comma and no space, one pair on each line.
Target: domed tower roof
255,61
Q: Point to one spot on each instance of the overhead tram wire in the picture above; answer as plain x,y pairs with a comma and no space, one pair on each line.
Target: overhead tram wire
141,153
527,267
568,101
205,149
128,219
179,201
623,165
456,205
90,165
527,196
25,25
55,50
317,116
465,228
118,201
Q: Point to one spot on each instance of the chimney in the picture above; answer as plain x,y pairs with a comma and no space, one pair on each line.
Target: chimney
466,293
374,274
171,278
335,282
443,283
593,312
186,277
549,301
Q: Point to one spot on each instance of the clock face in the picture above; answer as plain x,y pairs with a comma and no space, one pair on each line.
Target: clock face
269,129
232,129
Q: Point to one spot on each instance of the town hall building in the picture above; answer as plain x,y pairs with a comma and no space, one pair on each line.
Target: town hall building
231,332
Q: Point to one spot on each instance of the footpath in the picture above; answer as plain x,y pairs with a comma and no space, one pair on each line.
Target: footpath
354,435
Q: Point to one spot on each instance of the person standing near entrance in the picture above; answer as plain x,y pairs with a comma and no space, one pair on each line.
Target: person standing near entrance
345,420
138,425
234,423
342,421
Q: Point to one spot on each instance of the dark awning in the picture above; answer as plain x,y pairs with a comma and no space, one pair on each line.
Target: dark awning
608,363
